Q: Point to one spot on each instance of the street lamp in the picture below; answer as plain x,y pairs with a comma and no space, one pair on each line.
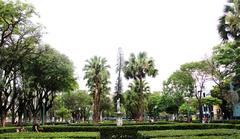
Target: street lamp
43,111
188,109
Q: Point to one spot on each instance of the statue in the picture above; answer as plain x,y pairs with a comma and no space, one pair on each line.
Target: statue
119,114
118,105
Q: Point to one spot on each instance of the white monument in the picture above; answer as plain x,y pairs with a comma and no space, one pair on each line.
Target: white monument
119,114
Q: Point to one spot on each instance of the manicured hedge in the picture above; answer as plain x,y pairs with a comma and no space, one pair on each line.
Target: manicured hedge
86,135
13,129
226,121
127,131
179,126
202,137
179,133
130,131
125,123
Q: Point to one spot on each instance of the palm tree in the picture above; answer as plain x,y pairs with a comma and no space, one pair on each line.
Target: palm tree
97,76
229,23
137,68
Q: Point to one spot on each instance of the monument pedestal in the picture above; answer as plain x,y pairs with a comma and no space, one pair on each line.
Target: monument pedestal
119,118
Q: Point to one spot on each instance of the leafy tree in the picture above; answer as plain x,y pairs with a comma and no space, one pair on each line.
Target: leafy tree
77,103
71,102
64,113
106,106
187,108
229,25
211,101
137,68
97,76
200,72
18,38
132,103
47,74
225,71
179,82
85,102
153,105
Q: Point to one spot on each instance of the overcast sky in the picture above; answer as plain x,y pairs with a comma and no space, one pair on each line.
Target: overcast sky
173,32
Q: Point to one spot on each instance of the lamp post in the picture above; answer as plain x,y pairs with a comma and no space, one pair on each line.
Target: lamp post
43,111
188,110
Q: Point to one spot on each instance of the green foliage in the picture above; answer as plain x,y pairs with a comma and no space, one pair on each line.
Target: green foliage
19,38
226,121
97,76
179,82
186,108
211,101
89,135
163,103
226,62
63,112
191,133
229,27
138,68
132,98
48,73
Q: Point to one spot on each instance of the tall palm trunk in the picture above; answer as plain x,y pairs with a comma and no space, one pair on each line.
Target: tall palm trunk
96,106
141,103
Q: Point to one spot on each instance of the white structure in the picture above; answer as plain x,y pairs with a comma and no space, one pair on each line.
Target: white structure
119,114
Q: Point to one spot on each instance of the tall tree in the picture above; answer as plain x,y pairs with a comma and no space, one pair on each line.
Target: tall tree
132,103
119,85
137,68
180,82
45,75
200,72
225,71
18,38
229,23
97,76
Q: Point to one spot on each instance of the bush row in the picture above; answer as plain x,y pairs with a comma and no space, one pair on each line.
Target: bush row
86,135
200,137
13,129
64,128
179,126
124,123
179,133
226,121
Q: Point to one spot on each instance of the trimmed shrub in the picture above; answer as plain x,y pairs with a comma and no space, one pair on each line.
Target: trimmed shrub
13,129
89,135
179,133
202,137
179,126
125,123
226,121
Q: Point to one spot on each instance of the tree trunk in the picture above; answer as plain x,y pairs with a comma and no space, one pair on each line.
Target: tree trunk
34,118
96,106
141,104
200,111
13,113
20,118
3,119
